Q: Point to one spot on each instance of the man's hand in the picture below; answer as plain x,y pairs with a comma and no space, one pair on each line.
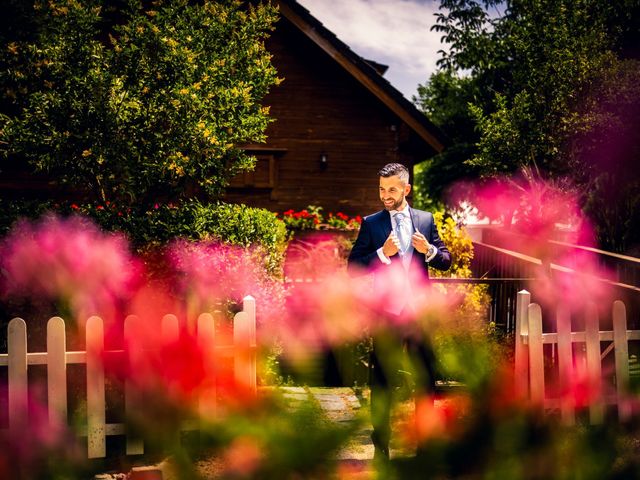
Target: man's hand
420,242
391,245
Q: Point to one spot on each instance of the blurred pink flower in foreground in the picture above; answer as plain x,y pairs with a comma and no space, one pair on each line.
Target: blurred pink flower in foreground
210,273
70,260
529,204
242,457
542,218
341,309
42,444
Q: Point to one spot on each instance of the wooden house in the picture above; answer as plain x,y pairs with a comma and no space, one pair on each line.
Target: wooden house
337,122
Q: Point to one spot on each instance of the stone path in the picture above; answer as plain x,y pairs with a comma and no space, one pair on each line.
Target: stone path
340,405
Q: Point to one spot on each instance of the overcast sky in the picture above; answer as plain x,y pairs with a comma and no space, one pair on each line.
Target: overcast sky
396,33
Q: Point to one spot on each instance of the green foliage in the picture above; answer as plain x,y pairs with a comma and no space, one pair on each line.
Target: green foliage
295,440
458,243
465,331
190,219
134,103
445,99
562,50
527,88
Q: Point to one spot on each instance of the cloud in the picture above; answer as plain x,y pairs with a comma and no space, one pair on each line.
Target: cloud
393,32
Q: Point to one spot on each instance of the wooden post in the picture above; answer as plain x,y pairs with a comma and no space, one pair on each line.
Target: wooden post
565,366
96,429
242,351
249,306
207,343
521,349
621,348
170,331
57,369
536,356
594,365
135,445
17,350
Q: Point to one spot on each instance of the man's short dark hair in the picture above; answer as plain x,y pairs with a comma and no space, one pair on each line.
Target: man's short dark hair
391,169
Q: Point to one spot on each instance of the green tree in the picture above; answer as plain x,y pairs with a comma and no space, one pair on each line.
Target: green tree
134,101
527,89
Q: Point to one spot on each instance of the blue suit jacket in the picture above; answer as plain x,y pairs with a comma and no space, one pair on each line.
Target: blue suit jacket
375,230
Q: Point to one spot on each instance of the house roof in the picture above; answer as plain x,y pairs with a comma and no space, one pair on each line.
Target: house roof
364,71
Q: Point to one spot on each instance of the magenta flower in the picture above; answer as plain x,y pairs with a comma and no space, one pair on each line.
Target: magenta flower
210,273
69,260
340,309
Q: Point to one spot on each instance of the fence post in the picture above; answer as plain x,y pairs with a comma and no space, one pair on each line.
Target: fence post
57,369
521,350
96,430
17,350
243,341
536,357
207,343
249,306
170,333
565,366
594,365
135,445
621,348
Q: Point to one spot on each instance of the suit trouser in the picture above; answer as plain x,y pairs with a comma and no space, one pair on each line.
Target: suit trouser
386,363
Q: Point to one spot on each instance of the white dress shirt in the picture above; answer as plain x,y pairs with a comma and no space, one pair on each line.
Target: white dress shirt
409,253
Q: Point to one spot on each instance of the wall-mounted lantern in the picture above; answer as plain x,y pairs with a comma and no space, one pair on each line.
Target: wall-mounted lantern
324,161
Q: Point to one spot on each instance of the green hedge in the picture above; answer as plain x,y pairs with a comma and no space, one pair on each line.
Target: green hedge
234,224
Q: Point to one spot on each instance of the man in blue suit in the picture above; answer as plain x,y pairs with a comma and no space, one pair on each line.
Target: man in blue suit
397,235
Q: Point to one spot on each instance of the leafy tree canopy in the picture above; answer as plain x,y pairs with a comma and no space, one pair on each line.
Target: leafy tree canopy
133,100
548,85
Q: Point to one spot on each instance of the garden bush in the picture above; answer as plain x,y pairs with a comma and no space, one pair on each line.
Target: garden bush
134,101
191,219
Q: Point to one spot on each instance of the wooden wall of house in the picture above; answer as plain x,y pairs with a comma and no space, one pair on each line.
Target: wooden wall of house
320,108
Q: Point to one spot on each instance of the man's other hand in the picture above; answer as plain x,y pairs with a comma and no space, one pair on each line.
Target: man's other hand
391,245
420,243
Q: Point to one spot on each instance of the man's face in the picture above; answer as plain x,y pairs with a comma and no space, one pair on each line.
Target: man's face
392,192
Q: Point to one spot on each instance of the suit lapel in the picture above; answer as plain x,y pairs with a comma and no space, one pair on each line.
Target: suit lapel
385,226
415,220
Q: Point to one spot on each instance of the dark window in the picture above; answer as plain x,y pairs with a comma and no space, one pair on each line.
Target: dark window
262,176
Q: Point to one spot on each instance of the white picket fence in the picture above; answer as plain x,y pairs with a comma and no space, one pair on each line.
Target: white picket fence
56,358
584,361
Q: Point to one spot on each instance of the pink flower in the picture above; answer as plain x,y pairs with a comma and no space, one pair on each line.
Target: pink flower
340,309
43,439
243,457
69,260
210,273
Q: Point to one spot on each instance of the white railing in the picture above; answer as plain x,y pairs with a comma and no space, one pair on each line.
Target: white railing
583,363
56,358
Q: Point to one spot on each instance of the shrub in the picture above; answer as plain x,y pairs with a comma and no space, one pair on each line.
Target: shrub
125,101
191,219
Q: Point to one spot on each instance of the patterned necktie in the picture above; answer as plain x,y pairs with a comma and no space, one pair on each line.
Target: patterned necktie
401,232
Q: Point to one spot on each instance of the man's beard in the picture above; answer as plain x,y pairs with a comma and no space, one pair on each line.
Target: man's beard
396,204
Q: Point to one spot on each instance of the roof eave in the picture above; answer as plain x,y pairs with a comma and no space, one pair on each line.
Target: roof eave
362,72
